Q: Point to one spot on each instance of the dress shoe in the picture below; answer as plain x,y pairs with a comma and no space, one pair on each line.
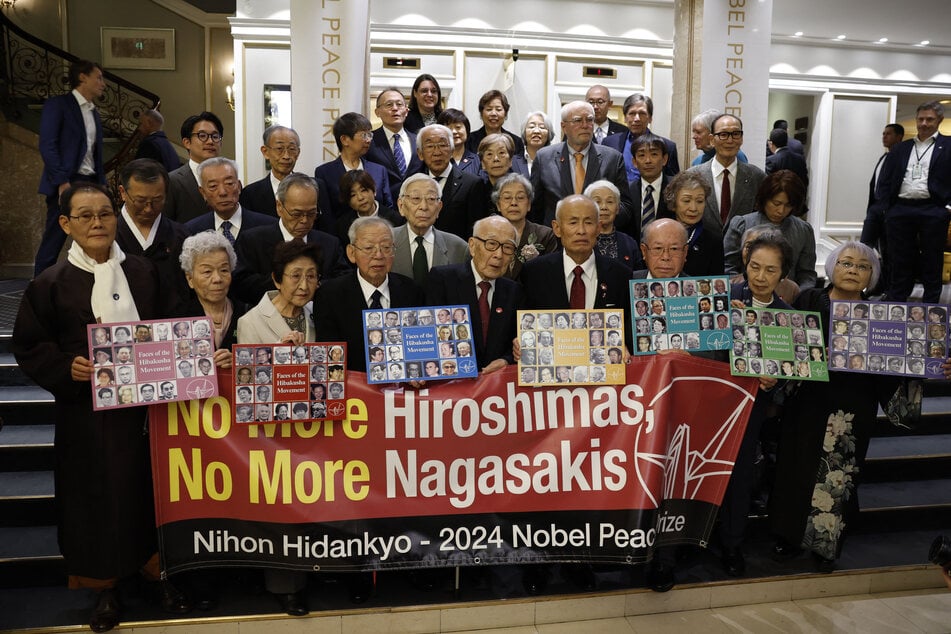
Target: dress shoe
105,614
360,587
784,551
293,603
535,579
733,562
171,598
660,577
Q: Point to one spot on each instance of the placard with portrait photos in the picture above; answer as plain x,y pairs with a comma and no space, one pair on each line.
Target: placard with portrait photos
571,347
895,338
148,362
425,343
281,382
680,313
786,344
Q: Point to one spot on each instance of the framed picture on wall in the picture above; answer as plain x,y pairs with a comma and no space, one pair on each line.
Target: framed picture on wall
277,105
145,49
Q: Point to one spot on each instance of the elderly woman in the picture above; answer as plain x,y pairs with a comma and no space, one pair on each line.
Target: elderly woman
826,429
493,110
464,158
358,199
425,103
786,289
537,133
512,196
779,199
686,195
611,242
104,507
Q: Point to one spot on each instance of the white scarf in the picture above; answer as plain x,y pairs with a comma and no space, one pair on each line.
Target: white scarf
111,299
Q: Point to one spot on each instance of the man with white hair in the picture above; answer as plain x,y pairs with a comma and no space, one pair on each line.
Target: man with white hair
462,194
220,186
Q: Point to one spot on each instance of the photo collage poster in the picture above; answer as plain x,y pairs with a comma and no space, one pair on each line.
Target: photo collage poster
283,382
426,343
888,338
571,347
787,344
150,361
681,313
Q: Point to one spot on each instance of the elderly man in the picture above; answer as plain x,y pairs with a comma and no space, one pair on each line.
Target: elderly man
340,302
600,99
155,145
701,131
297,208
733,184
393,147
569,167
419,246
221,189
638,114
462,194
664,247
201,136
493,299
281,148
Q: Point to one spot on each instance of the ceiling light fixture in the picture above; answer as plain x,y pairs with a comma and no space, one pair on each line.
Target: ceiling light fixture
882,40
840,37
797,34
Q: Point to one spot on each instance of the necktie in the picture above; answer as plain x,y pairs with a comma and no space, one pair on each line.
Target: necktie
484,308
420,264
599,135
579,173
398,155
726,198
375,299
226,231
576,299
647,213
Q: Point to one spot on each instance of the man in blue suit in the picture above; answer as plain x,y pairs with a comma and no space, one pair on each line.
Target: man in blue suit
154,144
71,148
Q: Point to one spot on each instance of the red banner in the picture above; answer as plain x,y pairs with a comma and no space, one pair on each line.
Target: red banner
469,470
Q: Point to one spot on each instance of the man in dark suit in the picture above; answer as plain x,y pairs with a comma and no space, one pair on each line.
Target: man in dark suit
297,209
393,147
71,148
650,156
783,158
873,229
638,114
201,136
462,194
340,302
915,183
221,189
281,149
795,145
600,99
154,144
570,166
492,247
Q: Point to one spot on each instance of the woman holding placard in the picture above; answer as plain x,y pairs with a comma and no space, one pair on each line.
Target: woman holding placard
826,429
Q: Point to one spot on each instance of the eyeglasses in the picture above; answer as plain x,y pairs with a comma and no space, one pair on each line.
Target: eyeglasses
507,198
848,265
365,136
736,135
140,202
597,102
87,218
393,105
418,200
436,146
281,150
204,136
298,216
580,120
295,278
494,245
673,251
383,249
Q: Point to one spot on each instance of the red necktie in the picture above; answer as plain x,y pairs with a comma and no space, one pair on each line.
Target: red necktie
726,199
576,300
484,308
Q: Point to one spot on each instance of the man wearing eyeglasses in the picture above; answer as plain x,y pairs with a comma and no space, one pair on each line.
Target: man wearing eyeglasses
221,188
297,209
339,303
281,149
569,167
419,246
462,194
600,99
736,197
393,147
201,136
492,298
638,115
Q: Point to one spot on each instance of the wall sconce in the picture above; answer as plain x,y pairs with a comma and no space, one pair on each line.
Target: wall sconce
7,4
229,98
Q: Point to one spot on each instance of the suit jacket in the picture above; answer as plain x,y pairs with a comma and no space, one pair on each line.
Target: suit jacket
633,227
541,235
329,173
184,200
263,324
476,136
747,181
939,171
255,250
704,252
551,178
339,306
157,147
455,284
63,142
249,220
620,141
797,232
873,228
192,308
349,215
447,249
260,195
470,163
381,154
786,159
462,196
164,252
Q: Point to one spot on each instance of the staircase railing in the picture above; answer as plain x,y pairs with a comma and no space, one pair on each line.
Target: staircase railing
34,70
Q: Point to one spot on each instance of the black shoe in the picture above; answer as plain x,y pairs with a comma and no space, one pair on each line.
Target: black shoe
660,577
360,587
535,579
823,565
171,598
733,562
105,614
293,603
784,551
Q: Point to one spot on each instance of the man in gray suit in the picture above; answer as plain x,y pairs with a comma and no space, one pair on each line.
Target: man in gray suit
419,246
742,179
569,167
201,136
